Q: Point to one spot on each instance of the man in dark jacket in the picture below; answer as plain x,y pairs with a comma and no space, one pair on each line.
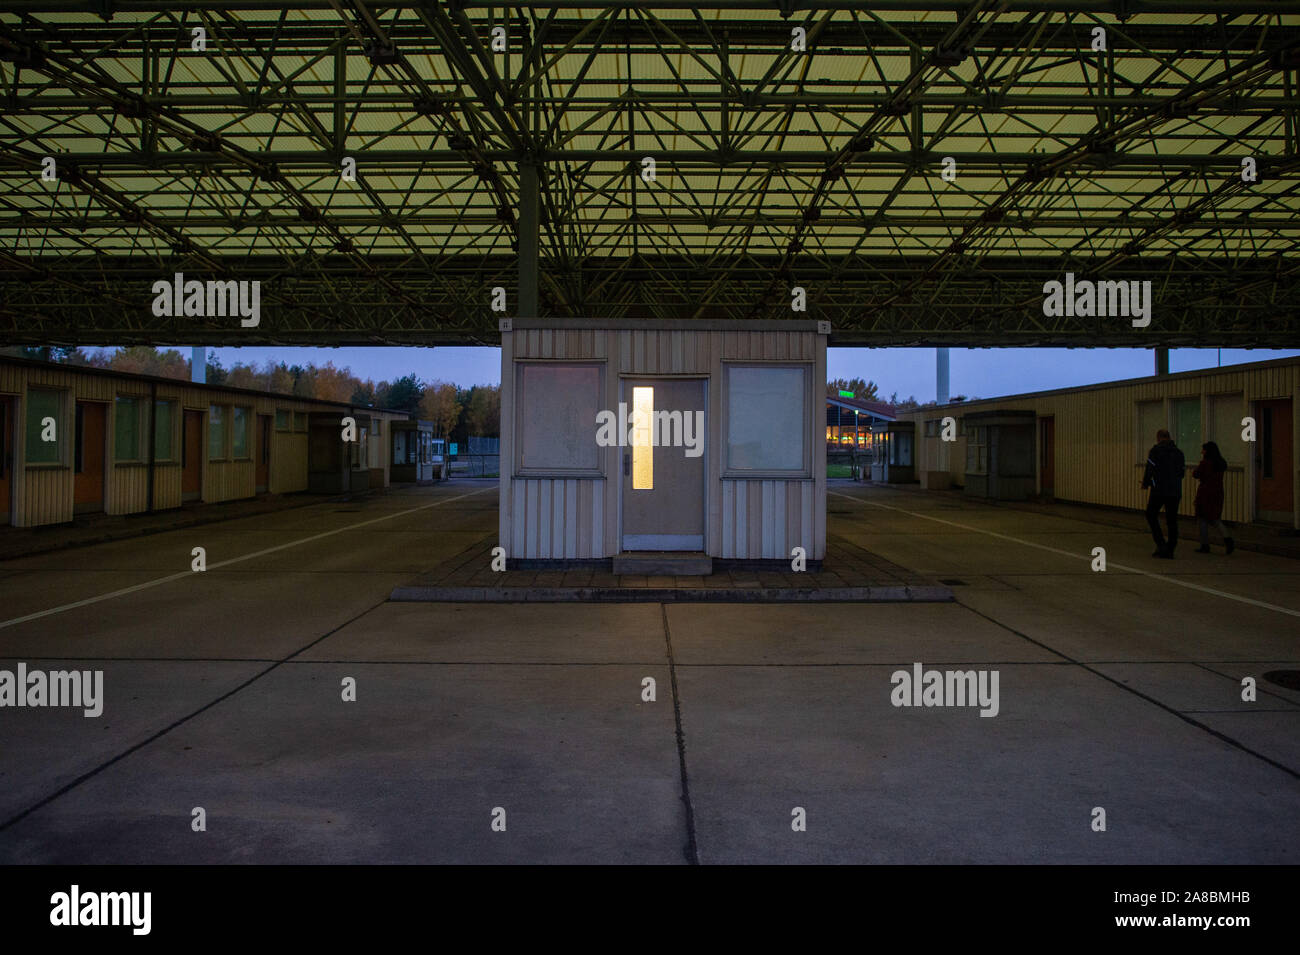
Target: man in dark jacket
1164,476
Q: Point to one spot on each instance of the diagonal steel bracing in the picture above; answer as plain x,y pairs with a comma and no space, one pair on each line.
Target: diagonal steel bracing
775,166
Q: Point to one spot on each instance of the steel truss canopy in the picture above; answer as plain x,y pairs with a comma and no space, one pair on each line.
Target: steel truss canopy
920,168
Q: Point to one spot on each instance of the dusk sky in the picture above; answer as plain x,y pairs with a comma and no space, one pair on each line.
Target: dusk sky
980,372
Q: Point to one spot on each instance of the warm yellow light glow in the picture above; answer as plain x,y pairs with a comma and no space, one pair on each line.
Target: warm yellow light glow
643,416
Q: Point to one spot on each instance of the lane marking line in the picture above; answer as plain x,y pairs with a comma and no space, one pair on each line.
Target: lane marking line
226,563
1085,557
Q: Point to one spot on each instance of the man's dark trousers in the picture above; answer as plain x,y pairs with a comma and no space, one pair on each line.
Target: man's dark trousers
1170,506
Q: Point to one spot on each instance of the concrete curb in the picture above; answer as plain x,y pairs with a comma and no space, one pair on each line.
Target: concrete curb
885,594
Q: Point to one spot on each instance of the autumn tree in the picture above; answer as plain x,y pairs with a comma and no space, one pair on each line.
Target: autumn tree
866,390
439,404
147,360
244,376
278,378
404,394
483,411
333,384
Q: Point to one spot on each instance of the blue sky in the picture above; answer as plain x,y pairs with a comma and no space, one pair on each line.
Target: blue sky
975,372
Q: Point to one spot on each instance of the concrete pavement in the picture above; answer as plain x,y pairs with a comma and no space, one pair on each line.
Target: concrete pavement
1119,690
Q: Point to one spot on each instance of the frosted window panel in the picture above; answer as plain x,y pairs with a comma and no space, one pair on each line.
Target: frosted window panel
1186,415
1151,418
239,430
766,420
216,432
41,405
126,446
1223,419
556,416
164,427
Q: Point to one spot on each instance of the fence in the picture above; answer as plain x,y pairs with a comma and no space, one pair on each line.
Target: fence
475,465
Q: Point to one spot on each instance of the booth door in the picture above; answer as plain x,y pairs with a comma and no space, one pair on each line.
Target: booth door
192,448
88,483
6,460
1274,470
263,453
663,488
1047,455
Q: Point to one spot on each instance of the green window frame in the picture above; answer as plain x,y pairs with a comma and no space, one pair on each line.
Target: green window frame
1185,425
217,433
241,448
165,420
45,403
128,434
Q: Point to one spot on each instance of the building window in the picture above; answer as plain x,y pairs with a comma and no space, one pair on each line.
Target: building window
1223,416
127,429
217,433
283,419
1150,419
901,449
300,422
932,427
977,450
1185,416
767,420
42,404
555,415
239,426
164,430
362,441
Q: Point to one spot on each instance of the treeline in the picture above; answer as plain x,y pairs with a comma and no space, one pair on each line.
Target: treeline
869,391
456,412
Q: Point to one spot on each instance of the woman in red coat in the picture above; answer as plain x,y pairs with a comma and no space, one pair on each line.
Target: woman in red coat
1209,496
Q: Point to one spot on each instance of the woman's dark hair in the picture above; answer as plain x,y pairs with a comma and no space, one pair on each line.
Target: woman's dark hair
1212,452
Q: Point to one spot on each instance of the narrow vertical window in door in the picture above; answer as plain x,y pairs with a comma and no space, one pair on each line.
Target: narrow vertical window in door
643,416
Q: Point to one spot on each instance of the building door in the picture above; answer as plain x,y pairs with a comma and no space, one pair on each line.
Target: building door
663,470
263,453
90,457
192,446
6,460
1047,456
1274,461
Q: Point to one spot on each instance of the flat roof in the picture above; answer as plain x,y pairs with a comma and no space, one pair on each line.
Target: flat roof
185,382
878,409
1122,383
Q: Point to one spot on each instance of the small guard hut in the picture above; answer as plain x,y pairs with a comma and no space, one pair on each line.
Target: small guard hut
642,437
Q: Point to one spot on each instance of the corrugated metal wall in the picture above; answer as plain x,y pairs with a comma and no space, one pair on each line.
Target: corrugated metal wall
558,518
44,494
568,518
1099,456
766,519
288,462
